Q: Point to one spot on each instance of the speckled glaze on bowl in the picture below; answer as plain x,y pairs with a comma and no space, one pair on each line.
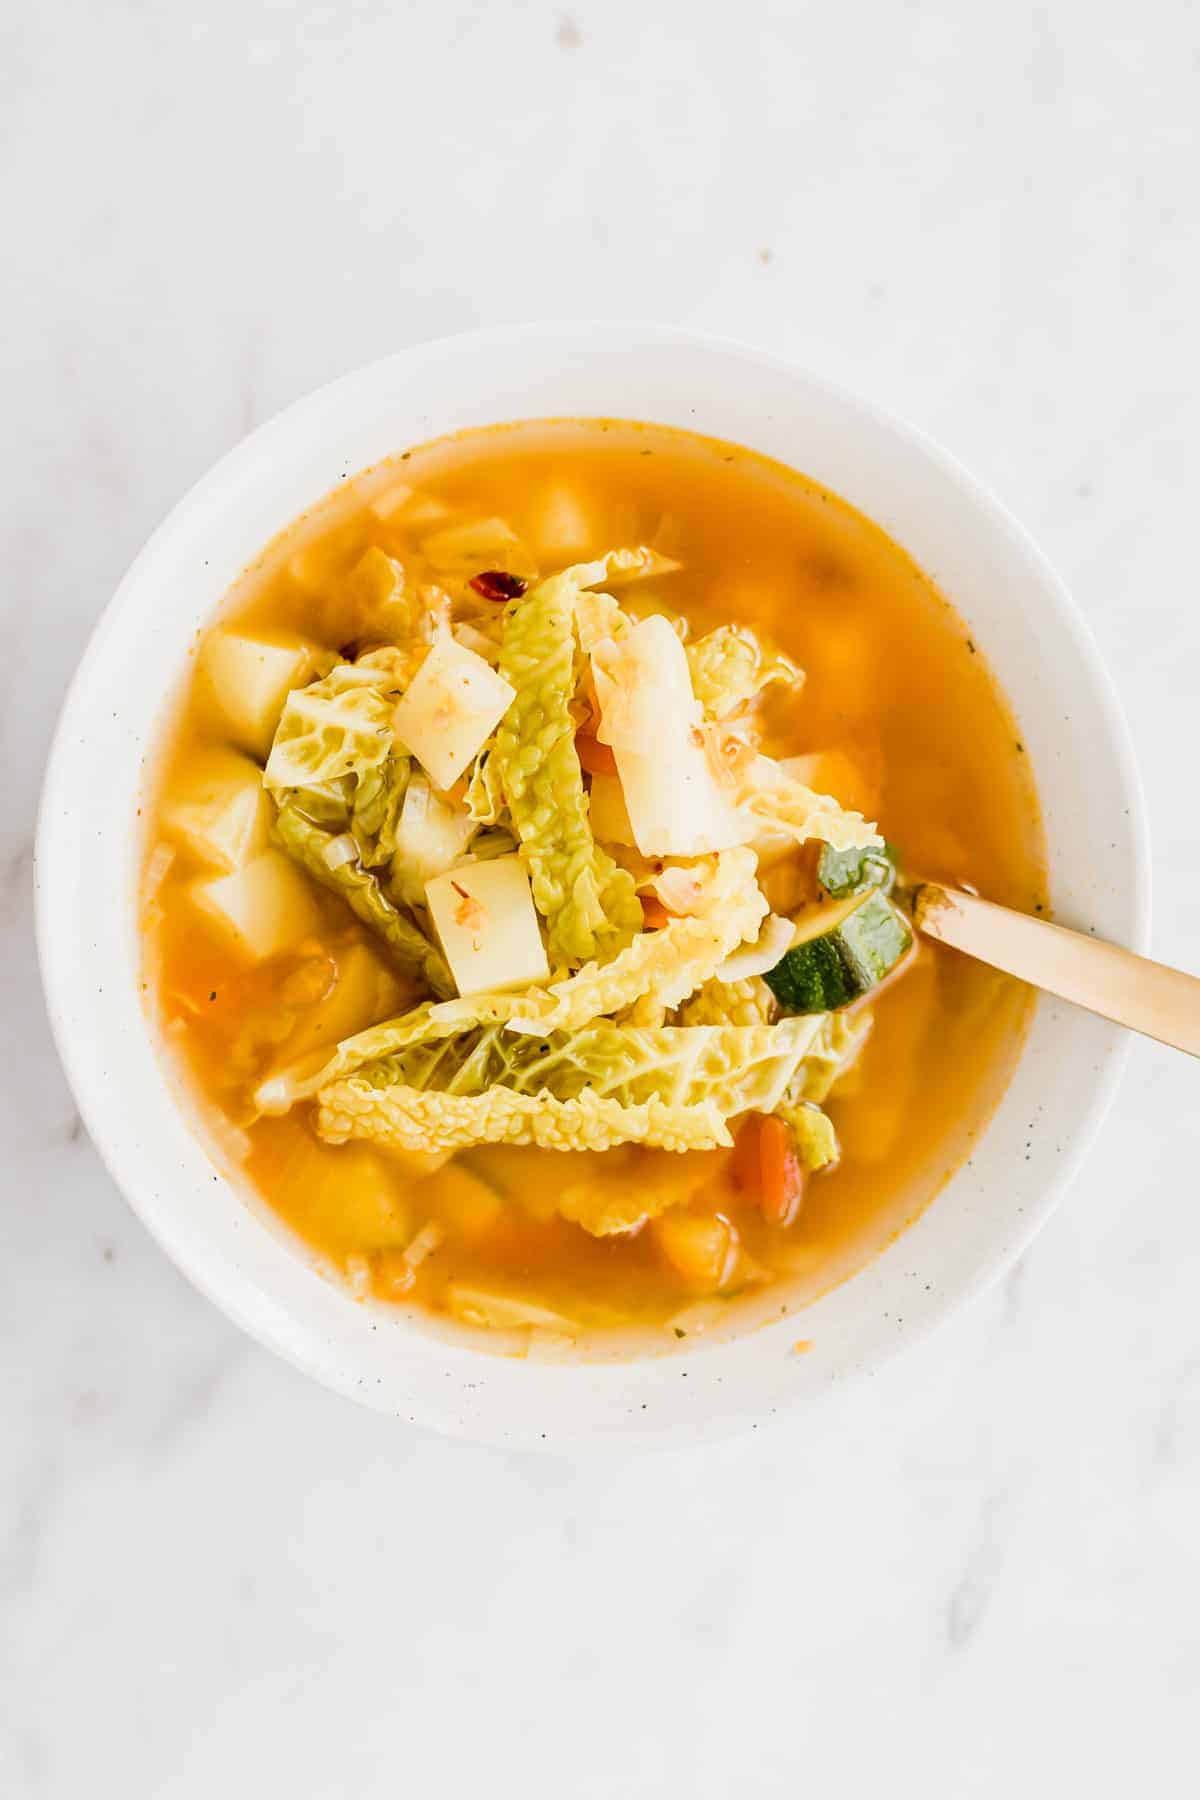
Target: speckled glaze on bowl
86,875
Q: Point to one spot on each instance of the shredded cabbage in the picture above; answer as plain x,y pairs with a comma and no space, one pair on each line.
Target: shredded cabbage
813,1134
749,1002
773,798
377,597
834,1051
485,790
341,725
376,805
410,1119
637,561
308,844
730,667
589,904
598,616
666,966
736,1068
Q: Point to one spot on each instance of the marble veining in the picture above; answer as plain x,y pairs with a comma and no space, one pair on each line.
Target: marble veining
975,1575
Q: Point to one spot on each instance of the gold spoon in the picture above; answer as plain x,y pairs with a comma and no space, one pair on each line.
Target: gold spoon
1131,990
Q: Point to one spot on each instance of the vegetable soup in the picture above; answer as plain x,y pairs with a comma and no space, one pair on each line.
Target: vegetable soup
526,887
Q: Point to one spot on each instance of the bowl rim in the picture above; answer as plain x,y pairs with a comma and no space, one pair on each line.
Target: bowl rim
240,460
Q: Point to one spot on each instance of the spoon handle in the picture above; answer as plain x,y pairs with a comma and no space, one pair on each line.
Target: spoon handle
1147,996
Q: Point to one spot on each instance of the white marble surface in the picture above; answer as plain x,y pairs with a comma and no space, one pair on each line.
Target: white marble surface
977,1575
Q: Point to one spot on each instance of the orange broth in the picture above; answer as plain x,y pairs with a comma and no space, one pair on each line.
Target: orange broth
894,684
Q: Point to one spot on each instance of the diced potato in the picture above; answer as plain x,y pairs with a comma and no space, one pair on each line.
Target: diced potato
309,566
430,838
416,1164
498,1311
702,1247
453,705
608,813
561,528
485,917
375,579
250,678
364,990
262,908
219,809
348,1198
468,1205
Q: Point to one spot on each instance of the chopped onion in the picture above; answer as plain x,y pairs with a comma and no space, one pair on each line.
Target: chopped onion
339,851
358,1275
755,959
471,639
158,867
424,1244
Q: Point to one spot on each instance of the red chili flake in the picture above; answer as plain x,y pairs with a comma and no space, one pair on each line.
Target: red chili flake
499,585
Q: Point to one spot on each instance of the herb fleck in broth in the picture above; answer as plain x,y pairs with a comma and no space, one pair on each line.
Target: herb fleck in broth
911,731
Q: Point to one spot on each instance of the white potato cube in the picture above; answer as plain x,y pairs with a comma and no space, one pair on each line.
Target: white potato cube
262,908
561,529
486,920
451,708
219,809
430,837
250,678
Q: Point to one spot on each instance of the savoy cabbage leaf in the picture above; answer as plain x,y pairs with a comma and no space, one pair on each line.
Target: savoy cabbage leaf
589,904
415,1119
730,667
341,725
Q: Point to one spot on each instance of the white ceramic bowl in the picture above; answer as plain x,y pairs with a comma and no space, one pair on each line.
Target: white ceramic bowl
86,873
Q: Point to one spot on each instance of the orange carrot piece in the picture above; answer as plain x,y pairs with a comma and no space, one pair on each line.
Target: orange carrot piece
766,1166
595,757
654,913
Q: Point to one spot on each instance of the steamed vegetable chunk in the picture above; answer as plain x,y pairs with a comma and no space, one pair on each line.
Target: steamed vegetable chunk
484,916
332,728
516,896
220,811
455,702
262,908
363,987
839,953
249,679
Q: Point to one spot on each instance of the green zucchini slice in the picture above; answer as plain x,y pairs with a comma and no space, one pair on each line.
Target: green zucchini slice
842,872
840,952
